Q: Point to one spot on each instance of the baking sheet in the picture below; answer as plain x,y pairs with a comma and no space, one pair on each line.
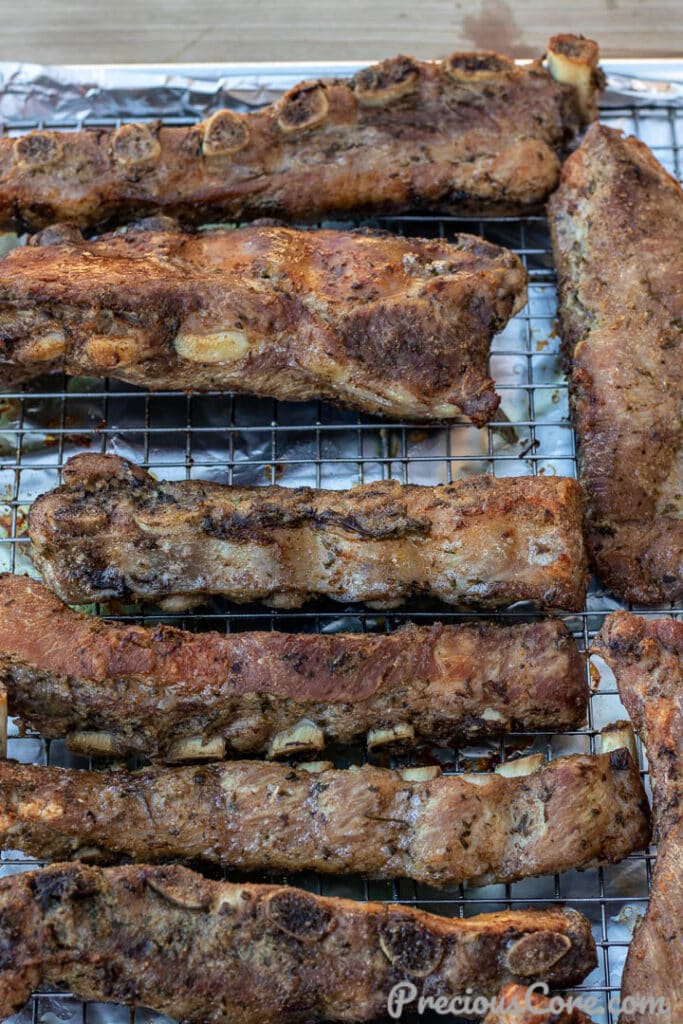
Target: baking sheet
250,441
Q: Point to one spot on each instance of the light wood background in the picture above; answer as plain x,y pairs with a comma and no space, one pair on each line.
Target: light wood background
89,31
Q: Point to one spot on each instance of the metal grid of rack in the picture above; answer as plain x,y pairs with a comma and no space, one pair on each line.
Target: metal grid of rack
249,441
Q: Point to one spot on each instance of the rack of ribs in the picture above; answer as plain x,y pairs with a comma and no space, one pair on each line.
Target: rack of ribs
616,223
473,133
215,952
113,531
527,818
396,326
645,656
115,689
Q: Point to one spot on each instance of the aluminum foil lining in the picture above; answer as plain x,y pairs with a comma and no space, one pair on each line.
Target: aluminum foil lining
72,94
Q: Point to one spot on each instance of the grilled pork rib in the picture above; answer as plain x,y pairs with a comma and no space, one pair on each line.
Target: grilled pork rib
388,325
164,694
645,656
473,133
205,951
617,223
574,812
112,531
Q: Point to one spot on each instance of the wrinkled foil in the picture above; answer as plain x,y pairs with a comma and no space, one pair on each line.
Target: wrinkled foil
73,94
34,93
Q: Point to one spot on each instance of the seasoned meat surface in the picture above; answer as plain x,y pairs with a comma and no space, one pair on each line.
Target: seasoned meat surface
574,812
215,952
617,227
645,656
397,326
151,690
473,133
517,1004
113,531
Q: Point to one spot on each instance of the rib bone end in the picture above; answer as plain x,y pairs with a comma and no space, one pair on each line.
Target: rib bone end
421,773
536,953
520,767
382,84
304,106
477,67
197,748
93,744
134,145
400,734
618,736
225,132
305,737
573,60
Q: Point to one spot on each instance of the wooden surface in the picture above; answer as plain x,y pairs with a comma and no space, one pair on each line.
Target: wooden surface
85,31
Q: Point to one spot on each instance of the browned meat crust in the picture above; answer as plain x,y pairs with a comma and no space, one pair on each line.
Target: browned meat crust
213,952
617,225
574,812
645,656
517,1004
113,531
472,133
388,325
152,689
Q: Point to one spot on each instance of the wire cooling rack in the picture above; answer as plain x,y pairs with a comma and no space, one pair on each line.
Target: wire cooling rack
249,441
